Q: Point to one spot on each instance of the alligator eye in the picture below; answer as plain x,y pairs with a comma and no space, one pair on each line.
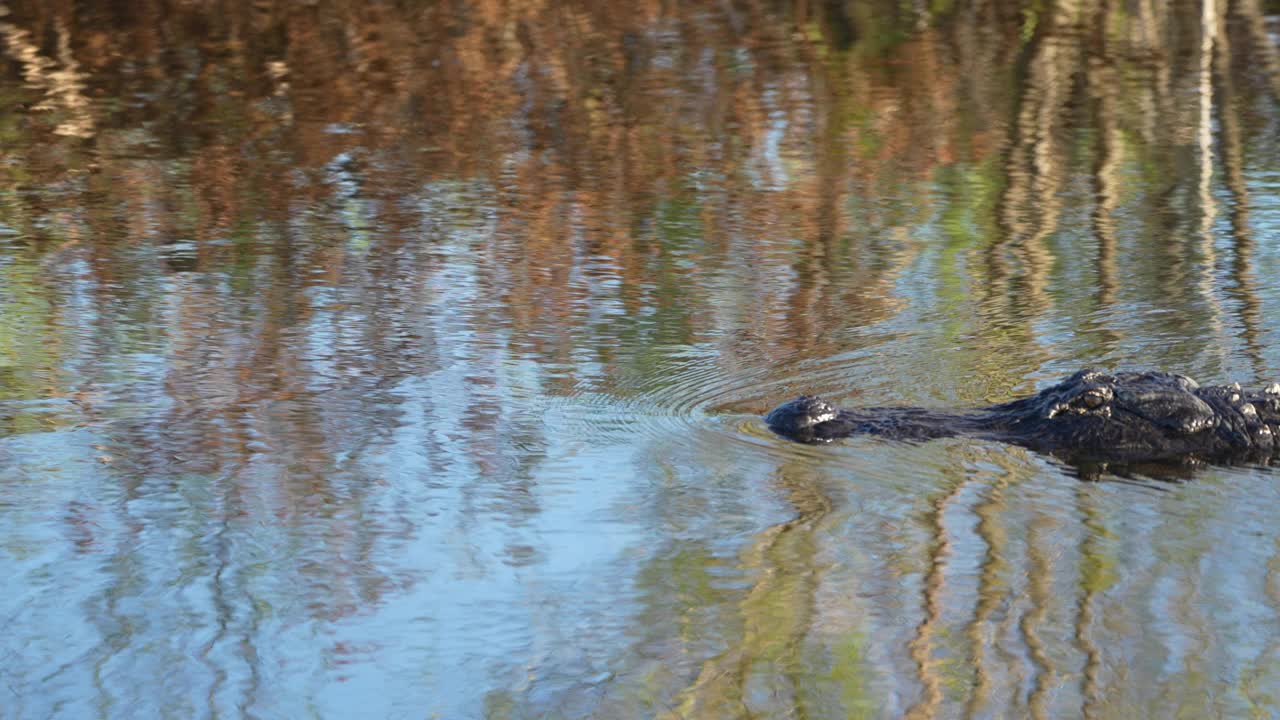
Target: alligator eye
1094,398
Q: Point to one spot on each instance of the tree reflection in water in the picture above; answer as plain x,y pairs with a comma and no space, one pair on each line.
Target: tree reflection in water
400,358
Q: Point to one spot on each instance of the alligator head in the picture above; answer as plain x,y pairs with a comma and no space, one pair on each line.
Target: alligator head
797,418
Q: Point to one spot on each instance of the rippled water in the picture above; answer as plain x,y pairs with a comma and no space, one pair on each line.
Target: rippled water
403,360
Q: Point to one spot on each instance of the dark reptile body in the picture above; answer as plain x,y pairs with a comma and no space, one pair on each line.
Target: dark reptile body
1091,416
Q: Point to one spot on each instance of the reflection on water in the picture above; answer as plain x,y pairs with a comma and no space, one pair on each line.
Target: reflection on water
378,360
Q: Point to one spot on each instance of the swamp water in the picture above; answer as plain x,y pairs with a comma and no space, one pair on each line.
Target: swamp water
405,360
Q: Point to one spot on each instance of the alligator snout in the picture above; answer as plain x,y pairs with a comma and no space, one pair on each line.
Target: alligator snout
799,415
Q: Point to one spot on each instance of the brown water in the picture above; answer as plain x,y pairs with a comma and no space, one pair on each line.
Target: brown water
405,360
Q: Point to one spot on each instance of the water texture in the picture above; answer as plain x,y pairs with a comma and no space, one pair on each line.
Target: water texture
406,359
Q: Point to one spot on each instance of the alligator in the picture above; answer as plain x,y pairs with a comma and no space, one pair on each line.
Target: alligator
1091,417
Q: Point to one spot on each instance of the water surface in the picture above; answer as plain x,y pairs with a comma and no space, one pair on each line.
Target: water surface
406,360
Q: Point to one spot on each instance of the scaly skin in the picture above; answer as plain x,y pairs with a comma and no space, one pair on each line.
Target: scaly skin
1092,416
